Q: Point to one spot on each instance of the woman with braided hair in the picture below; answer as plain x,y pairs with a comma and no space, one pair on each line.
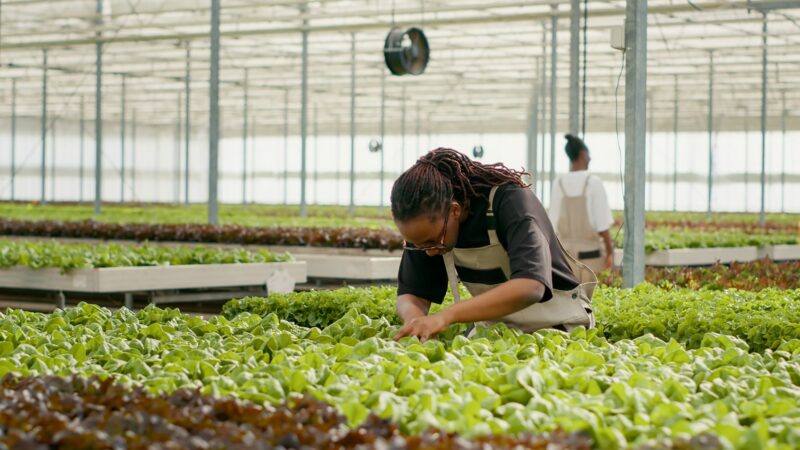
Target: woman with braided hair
482,225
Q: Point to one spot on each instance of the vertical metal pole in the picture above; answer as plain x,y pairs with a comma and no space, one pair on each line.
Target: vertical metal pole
710,132
675,149
783,152
338,151
533,130
417,150
650,154
213,114
133,155
383,134
352,210
53,160
574,64
122,144
187,134
403,128
763,217
43,174
304,121
316,156
747,160
178,145
285,147
553,67
244,138
98,115
81,163
14,138
253,161
585,60
635,116
543,120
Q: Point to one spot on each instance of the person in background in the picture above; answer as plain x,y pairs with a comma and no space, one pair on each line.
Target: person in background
579,210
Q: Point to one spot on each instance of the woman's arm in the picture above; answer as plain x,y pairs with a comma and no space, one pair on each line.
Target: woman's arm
410,307
507,298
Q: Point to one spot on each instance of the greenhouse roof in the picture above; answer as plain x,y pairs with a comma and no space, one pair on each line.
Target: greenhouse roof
484,69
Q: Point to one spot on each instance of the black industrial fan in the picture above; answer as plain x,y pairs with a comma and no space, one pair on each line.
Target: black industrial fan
477,151
406,52
375,146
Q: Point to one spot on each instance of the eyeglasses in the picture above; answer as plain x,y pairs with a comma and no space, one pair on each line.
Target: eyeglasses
439,246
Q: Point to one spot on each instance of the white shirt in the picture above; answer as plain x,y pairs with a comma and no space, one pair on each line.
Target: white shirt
599,212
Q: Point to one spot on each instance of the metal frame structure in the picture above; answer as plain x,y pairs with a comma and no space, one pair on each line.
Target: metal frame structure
146,40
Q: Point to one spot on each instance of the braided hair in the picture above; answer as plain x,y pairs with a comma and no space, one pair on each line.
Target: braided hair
443,175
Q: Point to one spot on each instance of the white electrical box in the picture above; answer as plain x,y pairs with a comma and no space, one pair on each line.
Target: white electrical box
618,38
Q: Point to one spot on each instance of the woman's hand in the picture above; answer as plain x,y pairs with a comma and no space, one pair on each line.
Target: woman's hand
423,327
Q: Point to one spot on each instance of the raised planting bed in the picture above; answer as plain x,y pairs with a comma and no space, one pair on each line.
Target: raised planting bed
81,268
748,276
781,252
695,256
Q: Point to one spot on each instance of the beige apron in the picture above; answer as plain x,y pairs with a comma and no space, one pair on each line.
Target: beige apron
567,309
576,232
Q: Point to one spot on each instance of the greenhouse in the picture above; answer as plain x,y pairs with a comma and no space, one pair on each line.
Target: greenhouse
381,224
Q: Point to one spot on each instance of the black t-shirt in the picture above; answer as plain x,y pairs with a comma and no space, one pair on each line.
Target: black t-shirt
524,231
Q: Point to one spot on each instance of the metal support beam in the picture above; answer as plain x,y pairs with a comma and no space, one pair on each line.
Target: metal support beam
133,155
122,143
635,116
416,132
650,153
98,114
747,161
574,65
53,160
178,146
710,133
43,174
383,135
533,130
553,103
784,113
304,120
675,148
316,156
585,60
213,114
253,160
14,138
82,162
762,216
543,120
187,134
244,136
286,147
352,209
403,128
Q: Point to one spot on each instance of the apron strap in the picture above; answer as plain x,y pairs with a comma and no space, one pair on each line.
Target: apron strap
586,185
452,275
491,224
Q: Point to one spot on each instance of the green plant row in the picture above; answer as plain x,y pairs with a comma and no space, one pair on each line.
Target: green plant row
248,215
764,320
624,394
42,254
675,238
